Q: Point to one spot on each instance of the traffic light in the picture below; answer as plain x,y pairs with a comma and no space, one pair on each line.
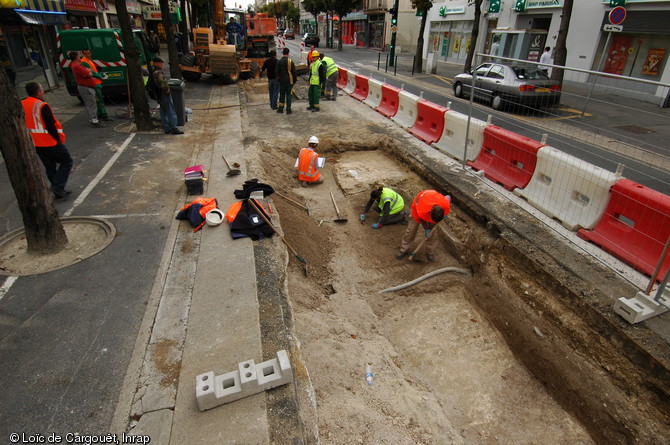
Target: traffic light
520,5
494,6
394,21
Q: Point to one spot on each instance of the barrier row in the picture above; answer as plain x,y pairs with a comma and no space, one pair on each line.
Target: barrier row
629,221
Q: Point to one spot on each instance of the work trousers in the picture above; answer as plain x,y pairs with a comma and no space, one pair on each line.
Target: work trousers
100,102
168,113
273,90
331,87
314,95
285,92
88,96
57,163
410,234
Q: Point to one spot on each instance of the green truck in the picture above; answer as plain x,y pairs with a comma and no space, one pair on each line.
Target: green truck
107,52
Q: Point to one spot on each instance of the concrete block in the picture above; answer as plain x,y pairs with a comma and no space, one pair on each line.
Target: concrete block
642,306
248,379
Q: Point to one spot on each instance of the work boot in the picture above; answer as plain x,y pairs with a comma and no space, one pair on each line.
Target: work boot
280,110
401,255
431,258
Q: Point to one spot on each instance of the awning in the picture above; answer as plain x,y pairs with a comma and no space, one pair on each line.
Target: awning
42,12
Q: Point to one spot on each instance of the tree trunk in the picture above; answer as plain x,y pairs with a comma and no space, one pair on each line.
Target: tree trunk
561,51
138,94
418,58
44,231
175,71
183,28
475,35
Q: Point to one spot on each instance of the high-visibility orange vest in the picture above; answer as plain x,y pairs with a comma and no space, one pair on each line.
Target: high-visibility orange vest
424,202
93,68
207,205
307,165
32,107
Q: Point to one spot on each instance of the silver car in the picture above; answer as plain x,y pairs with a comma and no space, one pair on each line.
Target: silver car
502,85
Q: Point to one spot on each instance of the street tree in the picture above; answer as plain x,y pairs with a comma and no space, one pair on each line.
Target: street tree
422,7
315,7
43,229
561,50
475,34
341,8
175,71
138,95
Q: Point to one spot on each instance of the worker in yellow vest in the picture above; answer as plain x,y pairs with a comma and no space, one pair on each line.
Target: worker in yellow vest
48,137
331,77
317,76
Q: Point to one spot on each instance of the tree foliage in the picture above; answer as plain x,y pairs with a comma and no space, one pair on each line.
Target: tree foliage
341,8
315,7
422,6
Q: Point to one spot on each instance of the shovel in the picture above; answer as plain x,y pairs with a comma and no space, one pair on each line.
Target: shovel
231,171
294,202
267,221
339,218
413,254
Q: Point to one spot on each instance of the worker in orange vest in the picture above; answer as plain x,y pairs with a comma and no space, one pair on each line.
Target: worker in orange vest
48,137
308,163
97,79
428,208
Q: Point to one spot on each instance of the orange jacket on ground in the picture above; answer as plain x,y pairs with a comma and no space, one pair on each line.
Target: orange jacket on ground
32,107
424,202
207,205
307,165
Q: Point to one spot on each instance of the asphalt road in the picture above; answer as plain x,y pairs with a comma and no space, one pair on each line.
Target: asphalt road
600,121
82,321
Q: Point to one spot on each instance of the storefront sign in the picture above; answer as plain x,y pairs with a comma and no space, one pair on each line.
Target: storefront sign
355,16
133,7
81,5
653,61
544,4
153,12
444,11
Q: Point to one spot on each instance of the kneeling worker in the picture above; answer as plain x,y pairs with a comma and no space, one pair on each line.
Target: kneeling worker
388,204
308,163
428,208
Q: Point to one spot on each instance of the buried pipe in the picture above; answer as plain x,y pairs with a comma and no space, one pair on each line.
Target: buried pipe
428,275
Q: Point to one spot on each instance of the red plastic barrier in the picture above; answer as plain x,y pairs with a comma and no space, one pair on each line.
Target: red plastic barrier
506,157
429,123
389,103
361,89
342,78
635,226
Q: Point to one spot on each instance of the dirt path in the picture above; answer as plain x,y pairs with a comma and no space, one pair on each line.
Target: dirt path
443,374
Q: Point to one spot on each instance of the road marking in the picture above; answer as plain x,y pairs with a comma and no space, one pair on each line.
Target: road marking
6,286
101,174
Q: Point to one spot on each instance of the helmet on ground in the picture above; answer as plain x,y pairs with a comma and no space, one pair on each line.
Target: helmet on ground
313,140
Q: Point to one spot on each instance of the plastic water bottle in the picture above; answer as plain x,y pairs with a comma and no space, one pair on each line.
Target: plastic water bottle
368,374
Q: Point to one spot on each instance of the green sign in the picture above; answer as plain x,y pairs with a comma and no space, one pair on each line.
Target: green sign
443,11
617,3
418,13
494,6
520,5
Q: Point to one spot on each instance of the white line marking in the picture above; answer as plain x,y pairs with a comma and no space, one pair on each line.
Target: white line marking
6,286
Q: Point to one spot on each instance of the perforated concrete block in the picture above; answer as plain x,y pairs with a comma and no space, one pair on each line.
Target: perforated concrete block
642,307
249,378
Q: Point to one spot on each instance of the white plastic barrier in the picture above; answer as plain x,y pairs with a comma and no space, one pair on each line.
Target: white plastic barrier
374,93
406,115
452,141
568,189
351,82
303,58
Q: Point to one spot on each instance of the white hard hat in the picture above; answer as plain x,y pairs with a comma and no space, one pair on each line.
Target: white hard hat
313,140
214,217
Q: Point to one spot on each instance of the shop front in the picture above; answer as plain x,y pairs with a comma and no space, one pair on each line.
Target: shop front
450,35
82,14
376,25
354,27
29,40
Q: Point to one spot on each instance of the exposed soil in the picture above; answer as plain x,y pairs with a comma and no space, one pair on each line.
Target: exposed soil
442,371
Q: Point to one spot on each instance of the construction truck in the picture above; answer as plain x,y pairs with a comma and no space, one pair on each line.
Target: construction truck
227,54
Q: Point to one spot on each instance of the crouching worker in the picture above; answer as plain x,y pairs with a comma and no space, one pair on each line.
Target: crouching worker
388,204
308,163
428,208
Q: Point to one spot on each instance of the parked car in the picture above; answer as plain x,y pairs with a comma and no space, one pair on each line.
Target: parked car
289,34
311,38
502,85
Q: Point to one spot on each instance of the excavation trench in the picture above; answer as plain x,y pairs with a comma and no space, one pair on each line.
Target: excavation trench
519,351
